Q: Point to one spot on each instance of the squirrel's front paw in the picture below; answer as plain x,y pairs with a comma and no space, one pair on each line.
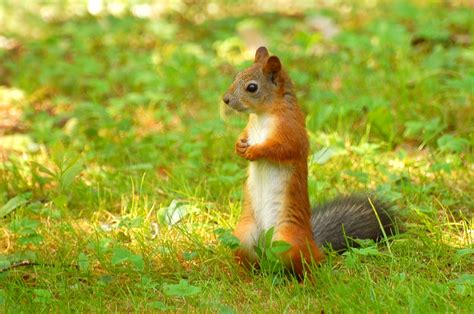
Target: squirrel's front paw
251,153
245,150
241,147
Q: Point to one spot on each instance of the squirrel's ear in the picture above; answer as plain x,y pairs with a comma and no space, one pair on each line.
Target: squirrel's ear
261,55
272,68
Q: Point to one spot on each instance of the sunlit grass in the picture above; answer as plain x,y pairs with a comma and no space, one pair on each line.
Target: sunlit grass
118,166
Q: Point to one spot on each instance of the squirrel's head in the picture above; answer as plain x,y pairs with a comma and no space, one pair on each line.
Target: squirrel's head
256,88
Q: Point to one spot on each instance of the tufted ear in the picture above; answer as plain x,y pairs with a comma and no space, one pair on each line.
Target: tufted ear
272,68
261,55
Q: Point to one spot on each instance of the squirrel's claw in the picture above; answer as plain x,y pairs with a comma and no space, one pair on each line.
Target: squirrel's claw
245,150
241,147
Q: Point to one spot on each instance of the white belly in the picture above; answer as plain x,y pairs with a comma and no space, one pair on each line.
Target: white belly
267,181
259,128
267,184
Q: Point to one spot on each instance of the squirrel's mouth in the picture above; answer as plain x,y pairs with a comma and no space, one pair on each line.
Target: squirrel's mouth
238,106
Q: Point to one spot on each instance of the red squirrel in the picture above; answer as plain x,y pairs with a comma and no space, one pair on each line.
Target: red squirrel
276,191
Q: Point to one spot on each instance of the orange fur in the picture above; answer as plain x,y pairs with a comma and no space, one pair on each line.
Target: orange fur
286,144
244,231
303,249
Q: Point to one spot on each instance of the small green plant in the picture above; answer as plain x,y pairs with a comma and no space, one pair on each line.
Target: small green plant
453,144
121,255
14,203
269,252
158,305
226,237
183,289
26,229
42,296
427,130
83,262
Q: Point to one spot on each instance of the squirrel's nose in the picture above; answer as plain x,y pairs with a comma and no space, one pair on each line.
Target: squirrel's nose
226,99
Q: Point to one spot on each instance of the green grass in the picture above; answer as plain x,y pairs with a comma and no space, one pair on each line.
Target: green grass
109,125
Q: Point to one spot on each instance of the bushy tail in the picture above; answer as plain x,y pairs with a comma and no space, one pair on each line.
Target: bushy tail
350,217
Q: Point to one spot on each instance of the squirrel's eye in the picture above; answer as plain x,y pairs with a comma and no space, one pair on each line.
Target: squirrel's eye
252,87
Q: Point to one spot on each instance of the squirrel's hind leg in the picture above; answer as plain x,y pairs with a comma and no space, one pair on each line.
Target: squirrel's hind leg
303,250
247,233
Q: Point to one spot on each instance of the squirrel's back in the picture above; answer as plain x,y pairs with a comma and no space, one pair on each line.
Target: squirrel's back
350,217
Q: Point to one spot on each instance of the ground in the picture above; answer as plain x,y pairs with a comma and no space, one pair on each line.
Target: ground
119,185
